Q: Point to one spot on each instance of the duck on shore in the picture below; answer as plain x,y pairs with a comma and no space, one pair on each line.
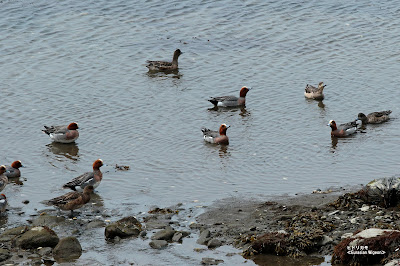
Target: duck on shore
72,200
164,65
87,179
3,203
3,177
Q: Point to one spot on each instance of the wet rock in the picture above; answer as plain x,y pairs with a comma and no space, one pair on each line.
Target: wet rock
158,244
143,234
125,227
95,224
383,192
67,249
165,234
324,241
10,234
45,252
380,244
47,220
210,261
4,254
214,243
40,236
204,237
178,236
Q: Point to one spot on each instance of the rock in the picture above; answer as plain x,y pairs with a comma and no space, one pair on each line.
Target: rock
204,237
10,234
4,254
67,249
382,243
95,224
40,236
346,235
125,227
364,208
211,261
143,234
46,251
178,236
158,244
393,263
47,220
214,243
324,241
165,234
383,192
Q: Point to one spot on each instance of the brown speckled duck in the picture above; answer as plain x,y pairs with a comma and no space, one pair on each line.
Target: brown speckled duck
375,117
216,137
3,177
163,65
72,200
312,92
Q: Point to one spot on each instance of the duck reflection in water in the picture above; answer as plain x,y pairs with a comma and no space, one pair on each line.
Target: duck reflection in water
334,143
170,73
69,151
223,151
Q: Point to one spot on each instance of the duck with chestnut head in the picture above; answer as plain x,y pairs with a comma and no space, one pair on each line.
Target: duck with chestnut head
63,134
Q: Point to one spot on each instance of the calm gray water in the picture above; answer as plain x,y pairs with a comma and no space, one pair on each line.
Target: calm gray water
84,61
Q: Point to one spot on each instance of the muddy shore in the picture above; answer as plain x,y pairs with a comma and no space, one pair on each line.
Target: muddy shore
306,227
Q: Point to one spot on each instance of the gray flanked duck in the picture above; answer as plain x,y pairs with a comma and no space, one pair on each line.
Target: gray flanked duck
375,117
312,92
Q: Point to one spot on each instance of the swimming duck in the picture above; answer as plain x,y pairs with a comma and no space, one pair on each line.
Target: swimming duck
3,203
342,130
3,177
72,200
62,134
375,117
231,101
163,65
13,169
217,137
87,179
312,92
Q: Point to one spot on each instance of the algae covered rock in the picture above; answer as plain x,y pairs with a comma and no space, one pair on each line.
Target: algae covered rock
126,227
39,236
67,249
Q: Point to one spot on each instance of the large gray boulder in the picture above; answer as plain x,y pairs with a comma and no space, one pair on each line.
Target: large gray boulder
125,227
39,236
67,249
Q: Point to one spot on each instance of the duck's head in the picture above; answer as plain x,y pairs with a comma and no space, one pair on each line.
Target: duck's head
73,126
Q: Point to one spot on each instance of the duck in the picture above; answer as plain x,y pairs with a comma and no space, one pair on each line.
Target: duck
72,200
87,179
312,92
12,170
343,130
3,203
3,177
375,117
163,65
63,134
231,101
216,137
